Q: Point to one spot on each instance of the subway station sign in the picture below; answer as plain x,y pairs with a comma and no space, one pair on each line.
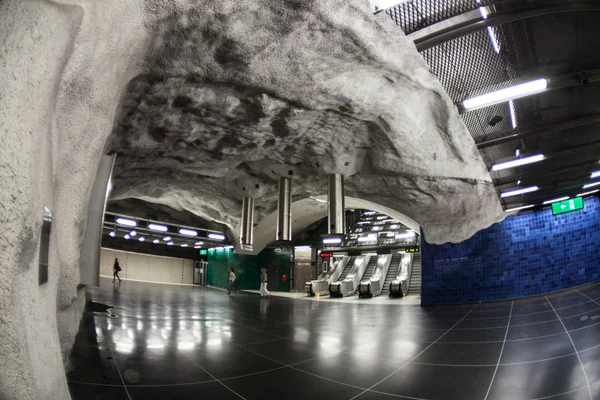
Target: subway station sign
567,205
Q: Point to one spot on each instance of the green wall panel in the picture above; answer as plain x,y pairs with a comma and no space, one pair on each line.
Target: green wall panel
247,268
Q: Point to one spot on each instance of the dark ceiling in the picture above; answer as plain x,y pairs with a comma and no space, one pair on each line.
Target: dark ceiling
554,39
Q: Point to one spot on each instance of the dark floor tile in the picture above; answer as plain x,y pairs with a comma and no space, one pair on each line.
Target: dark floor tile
211,390
96,392
159,367
587,337
393,349
290,384
475,335
461,354
535,330
530,309
488,314
482,323
538,379
247,336
589,359
360,370
582,321
438,383
537,349
229,361
93,365
289,352
584,308
527,319
378,395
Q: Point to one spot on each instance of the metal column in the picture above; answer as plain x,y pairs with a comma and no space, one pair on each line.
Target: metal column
247,225
336,214
284,210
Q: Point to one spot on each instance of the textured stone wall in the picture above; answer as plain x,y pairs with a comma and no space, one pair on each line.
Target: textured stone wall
530,253
247,268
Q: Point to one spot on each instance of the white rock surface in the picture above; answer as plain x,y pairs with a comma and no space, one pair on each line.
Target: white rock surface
272,86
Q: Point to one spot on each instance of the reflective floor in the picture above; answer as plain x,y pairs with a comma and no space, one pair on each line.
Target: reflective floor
192,343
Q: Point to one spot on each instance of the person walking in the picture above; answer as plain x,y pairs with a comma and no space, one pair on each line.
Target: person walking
230,287
116,269
263,283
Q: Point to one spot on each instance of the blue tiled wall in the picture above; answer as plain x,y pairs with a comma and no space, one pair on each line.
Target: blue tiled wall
533,252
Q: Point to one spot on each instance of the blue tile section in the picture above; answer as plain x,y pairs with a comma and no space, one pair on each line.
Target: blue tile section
533,252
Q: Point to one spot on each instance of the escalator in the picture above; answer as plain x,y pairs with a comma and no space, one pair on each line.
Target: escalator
414,286
320,286
369,270
348,281
392,273
374,276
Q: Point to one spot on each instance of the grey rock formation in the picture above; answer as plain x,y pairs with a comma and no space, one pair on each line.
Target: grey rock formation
217,99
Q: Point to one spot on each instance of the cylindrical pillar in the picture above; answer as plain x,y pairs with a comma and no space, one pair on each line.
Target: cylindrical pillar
247,225
336,214
284,210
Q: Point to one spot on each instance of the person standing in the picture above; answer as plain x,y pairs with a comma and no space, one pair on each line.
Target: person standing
263,283
116,269
230,287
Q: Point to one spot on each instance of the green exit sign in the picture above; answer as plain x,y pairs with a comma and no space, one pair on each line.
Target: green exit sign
567,205
203,252
412,250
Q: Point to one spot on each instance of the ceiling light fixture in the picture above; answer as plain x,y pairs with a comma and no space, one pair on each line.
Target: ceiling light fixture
406,235
589,185
167,238
518,162
229,247
520,191
513,117
595,174
493,39
369,213
502,95
157,227
319,200
133,233
199,243
188,232
184,245
156,241
519,208
555,200
369,238
112,234
586,193
170,244
142,239
332,240
197,247
127,236
216,236
126,222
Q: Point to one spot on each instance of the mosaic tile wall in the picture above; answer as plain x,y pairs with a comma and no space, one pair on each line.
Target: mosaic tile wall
533,252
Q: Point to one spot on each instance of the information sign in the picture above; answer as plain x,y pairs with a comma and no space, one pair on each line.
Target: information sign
567,205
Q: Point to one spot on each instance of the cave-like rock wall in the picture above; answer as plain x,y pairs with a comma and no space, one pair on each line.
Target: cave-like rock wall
216,97
234,95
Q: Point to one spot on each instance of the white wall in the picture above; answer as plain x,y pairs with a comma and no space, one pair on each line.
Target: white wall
147,268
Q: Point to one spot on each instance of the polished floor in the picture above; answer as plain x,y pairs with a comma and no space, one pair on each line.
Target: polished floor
172,342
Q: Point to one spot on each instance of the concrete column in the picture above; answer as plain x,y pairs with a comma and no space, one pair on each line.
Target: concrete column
89,259
336,214
284,210
247,225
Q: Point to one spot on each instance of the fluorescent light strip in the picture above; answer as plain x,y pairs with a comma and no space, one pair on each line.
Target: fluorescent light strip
188,232
112,234
216,236
197,247
586,193
142,239
157,227
589,185
595,174
332,240
406,235
484,12
519,208
369,238
126,222
184,245
170,243
513,114
228,247
198,243
133,233
518,162
127,237
493,39
510,93
520,191
167,238
156,241
369,213
555,200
